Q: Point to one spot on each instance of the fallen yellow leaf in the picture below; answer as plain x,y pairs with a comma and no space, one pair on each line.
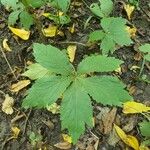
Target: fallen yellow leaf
129,10
54,108
134,107
67,138
20,85
6,46
127,139
7,105
71,49
23,34
72,28
52,31
131,31
16,132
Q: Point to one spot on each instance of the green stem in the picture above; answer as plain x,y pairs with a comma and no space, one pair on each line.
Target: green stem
142,67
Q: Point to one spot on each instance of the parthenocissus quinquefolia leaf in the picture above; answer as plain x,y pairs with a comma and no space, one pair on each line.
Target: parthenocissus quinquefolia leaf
74,86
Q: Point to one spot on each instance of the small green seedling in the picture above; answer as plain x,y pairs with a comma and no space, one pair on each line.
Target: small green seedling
113,32
102,9
74,86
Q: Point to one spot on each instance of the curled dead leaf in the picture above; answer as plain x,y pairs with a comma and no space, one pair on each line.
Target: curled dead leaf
71,49
23,34
7,105
63,145
15,131
52,31
6,46
127,139
132,107
129,10
20,85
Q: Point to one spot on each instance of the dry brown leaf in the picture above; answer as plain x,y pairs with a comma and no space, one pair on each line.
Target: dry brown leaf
129,10
6,46
132,107
23,34
20,85
63,145
52,31
7,105
109,120
15,131
71,49
127,139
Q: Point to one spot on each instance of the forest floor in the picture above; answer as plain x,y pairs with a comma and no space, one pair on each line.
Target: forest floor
47,126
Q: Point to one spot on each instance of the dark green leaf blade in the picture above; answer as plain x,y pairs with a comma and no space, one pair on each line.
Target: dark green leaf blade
76,110
52,58
46,91
107,90
13,17
145,128
98,63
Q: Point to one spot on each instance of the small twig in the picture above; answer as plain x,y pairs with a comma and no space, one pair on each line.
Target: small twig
27,118
8,63
72,42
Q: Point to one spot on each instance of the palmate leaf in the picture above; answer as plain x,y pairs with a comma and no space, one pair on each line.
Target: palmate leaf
46,91
76,110
98,63
107,90
53,59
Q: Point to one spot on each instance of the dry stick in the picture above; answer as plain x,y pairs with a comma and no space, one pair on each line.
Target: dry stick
8,63
72,42
27,118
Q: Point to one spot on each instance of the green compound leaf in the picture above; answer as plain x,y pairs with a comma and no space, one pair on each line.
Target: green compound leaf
36,71
145,128
76,110
98,63
13,17
146,50
52,58
102,10
26,19
107,90
116,28
96,35
46,91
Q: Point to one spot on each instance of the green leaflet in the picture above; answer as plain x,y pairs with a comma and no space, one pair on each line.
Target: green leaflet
46,91
35,3
36,71
13,17
76,110
145,128
98,63
96,35
145,48
26,19
104,10
52,58
107,90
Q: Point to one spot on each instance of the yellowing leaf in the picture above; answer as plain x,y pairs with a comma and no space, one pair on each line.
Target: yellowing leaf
71,52
63,145
7,105
131,31
54,108
72,29
129,10
16,132
67,138
127,139
6,46
23,34
142,147
46,14
134,107
52,31
20,85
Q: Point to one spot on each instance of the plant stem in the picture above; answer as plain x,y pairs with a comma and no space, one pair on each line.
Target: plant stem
142,67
